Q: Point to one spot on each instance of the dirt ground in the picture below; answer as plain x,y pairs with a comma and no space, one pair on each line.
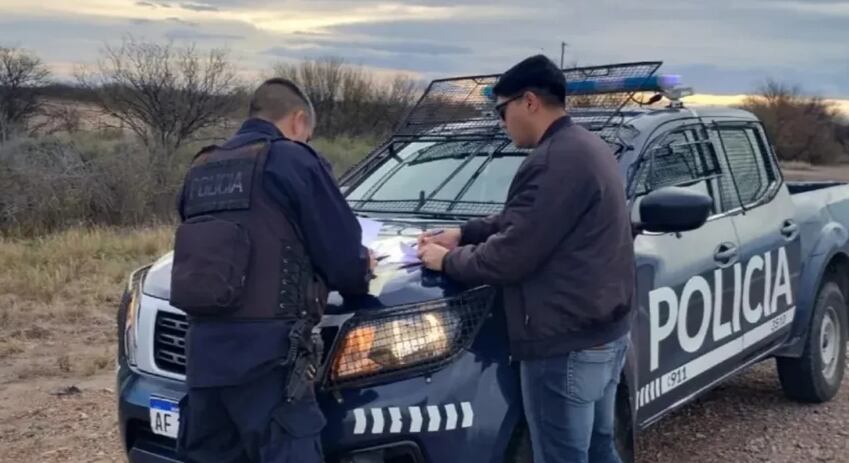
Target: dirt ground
748,419
58,298
57,392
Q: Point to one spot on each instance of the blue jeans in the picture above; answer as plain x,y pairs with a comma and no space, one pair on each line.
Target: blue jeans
570,404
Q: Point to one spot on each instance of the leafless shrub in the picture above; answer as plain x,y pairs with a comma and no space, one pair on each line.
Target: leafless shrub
22,75
58,181
803,128
163,93
350,100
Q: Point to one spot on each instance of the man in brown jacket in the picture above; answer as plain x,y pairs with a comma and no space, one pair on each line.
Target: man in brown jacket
561,250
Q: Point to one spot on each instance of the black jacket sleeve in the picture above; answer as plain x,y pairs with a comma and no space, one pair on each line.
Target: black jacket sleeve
477,231
549,201
302,184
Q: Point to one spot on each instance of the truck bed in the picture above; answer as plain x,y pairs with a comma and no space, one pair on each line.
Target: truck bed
818,204
804,187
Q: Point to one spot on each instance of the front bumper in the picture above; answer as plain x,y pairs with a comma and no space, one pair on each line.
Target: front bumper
140,443
465,412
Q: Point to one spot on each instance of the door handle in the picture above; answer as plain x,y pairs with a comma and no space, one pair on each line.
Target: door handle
790,229
725,253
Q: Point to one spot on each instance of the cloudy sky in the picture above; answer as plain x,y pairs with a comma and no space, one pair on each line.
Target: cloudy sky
720,46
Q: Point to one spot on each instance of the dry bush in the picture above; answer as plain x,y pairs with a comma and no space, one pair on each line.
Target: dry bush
58,181
22,75
86,179
803,128
350,100
76,173
163,93
58,117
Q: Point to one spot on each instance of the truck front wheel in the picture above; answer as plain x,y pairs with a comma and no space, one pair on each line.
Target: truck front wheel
816,376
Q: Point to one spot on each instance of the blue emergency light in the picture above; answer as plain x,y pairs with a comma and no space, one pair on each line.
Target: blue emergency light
624,84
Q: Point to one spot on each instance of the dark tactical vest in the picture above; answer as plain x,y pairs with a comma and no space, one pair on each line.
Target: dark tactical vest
237,255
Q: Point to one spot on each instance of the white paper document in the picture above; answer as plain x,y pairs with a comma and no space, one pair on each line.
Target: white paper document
371,229
394,251
390,250
410,253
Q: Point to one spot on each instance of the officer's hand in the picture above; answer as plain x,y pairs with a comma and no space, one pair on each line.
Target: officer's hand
448,238
432,256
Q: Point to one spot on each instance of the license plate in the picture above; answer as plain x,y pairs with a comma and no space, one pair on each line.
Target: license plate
164,417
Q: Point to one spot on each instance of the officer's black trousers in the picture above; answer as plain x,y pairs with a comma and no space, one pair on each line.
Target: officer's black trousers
249,423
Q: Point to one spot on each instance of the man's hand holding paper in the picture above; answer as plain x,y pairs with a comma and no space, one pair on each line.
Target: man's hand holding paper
448,238
432,255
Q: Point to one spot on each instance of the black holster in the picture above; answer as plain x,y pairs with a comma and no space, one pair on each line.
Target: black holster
303,360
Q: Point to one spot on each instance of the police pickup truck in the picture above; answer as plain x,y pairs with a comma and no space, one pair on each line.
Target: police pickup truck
734,266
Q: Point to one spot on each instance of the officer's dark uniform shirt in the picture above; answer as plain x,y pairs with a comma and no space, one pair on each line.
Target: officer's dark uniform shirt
227,353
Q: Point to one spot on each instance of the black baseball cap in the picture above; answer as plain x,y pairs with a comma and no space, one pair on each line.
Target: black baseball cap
536,72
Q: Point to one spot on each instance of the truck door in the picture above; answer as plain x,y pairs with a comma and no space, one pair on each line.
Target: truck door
770,260
684,285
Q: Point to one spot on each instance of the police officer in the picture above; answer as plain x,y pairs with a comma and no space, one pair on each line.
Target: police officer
265,235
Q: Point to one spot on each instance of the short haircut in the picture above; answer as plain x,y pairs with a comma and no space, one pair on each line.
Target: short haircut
537,74
277,98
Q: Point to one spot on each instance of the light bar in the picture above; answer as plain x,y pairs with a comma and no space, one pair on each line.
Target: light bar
625,84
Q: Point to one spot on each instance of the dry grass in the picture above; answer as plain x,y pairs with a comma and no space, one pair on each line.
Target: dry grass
53,267
59,294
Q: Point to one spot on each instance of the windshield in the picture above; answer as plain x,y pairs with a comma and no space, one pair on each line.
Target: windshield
456,177
451,178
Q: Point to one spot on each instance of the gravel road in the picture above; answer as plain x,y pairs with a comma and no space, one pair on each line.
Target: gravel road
748,419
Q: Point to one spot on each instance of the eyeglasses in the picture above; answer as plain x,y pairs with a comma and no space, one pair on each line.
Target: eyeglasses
501,108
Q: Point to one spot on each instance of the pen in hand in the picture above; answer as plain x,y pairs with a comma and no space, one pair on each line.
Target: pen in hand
437,232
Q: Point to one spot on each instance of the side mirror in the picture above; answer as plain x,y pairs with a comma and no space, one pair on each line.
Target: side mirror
673,209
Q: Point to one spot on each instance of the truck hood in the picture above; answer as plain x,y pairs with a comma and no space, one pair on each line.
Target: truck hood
395,283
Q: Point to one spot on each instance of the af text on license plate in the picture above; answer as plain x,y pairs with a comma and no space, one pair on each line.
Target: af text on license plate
164,417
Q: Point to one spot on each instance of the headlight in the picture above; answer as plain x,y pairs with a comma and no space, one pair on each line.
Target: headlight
418,337
130,328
